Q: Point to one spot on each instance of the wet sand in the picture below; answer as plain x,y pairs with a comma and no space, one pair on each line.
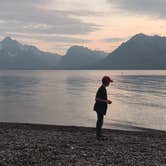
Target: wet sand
43,145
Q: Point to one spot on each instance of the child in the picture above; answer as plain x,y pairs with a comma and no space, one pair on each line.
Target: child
101,104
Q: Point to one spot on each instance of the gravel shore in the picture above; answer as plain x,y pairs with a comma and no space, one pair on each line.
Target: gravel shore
49,145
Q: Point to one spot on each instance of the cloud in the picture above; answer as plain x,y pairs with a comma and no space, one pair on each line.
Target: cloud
113,40
48,23
147,7
49,38
29,16
64,39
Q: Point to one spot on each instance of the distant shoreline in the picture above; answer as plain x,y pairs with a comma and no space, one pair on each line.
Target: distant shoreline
37,144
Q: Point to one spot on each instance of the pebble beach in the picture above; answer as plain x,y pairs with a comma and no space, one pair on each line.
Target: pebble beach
50,145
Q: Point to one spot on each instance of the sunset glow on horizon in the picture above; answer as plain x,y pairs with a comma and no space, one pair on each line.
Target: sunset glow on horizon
56,25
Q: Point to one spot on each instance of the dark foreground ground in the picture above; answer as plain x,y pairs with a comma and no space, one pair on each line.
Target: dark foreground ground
43,145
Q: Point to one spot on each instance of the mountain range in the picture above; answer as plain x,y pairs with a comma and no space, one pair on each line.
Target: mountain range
139,52
78,57
14,55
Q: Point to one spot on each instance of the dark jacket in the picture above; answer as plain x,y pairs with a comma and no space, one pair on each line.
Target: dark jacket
101,106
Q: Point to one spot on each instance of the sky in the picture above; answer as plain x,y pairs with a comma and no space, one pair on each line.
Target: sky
56,25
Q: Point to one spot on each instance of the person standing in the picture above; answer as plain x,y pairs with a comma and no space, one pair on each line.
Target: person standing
101,103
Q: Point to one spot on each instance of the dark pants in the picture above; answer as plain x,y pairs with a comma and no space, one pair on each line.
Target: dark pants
99,123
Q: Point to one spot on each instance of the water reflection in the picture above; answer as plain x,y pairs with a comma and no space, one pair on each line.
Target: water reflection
15,85
144,90
67,98
76,97
17,96
74,84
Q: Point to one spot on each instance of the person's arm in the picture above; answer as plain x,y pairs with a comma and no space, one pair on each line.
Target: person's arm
102,100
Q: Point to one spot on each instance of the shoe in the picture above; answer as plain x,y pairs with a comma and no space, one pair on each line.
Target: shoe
103,138
98,138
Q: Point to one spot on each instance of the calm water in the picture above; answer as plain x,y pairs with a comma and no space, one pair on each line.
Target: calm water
67,98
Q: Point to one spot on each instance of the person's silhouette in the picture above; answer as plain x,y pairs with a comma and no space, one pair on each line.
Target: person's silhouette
101,103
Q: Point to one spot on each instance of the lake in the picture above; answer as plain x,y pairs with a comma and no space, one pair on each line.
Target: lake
64,97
